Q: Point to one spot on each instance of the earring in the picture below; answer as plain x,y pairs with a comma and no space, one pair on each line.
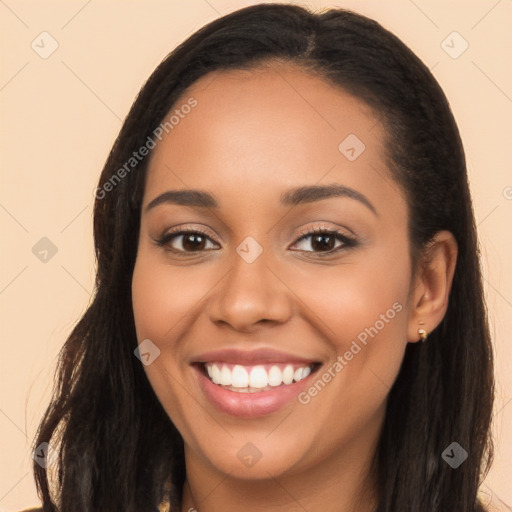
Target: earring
423,334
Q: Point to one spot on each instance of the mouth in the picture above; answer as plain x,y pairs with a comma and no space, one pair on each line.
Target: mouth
256,378
255,388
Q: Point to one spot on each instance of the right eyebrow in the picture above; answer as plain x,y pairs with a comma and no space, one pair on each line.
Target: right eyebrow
198,198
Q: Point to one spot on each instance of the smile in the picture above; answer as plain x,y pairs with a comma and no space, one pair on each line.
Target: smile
252,391
256,378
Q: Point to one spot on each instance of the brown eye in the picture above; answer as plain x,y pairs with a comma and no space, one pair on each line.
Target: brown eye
324,241
193,242
186,241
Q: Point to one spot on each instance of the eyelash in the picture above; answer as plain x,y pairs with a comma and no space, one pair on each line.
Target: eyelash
347,241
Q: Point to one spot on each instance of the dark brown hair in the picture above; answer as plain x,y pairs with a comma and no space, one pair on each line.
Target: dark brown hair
117,447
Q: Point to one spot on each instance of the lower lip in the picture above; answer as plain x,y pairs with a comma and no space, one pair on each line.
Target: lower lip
250,405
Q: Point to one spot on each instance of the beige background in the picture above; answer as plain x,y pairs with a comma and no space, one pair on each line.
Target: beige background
59,118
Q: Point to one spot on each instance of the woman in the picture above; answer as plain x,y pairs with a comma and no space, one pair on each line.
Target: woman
289,311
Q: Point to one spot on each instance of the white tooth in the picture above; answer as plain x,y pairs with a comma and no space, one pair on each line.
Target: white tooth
275,376
297,375
215,374
239,377
225,376
288,374
209,370
306,371
258,377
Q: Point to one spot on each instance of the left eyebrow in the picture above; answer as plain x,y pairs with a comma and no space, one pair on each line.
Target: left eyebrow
309,194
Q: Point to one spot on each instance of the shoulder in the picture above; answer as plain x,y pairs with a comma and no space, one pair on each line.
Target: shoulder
497,507
491,503
33,509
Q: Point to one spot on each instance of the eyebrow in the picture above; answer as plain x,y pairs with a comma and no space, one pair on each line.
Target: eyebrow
292,197
309,194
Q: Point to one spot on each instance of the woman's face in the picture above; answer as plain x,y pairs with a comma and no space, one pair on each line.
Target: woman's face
308,328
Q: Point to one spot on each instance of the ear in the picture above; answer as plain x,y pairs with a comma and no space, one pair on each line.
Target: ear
432,284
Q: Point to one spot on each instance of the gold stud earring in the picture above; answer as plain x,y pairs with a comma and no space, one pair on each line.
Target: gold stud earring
423,334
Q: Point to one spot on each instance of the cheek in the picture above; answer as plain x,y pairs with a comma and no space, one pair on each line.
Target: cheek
164,296
361,309
365,298
160,298
166,301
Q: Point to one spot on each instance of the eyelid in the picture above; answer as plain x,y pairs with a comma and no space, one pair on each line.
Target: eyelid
190,228
321,229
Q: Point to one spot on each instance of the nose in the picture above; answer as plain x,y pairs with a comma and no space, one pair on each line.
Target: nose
251,294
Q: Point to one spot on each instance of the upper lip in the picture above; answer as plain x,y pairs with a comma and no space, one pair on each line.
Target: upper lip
262,356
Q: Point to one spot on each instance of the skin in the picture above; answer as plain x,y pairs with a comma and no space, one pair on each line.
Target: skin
253,135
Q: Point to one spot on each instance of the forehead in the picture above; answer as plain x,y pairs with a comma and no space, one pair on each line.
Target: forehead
260,131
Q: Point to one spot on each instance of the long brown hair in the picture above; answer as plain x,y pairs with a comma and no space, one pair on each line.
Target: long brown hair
117,447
